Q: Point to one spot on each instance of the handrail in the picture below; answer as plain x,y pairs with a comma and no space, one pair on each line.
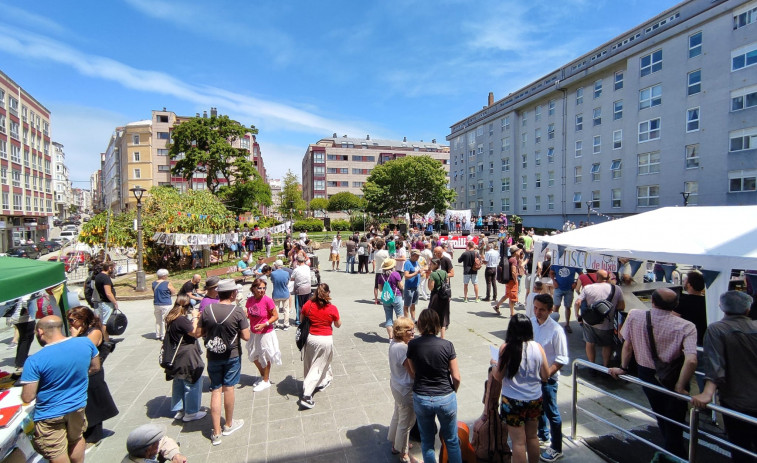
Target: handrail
693,426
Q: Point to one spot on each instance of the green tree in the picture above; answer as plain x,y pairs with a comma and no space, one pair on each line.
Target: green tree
345,201
73,209
291,204
204,145
247,196
412,184
318,204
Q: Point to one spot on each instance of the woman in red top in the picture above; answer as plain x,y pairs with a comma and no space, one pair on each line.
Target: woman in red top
319,349
263,346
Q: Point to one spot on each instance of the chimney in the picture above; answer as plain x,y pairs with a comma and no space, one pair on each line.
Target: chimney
491,98
367,137
433,141
213,112
164,108
334,135
197,114
205,114
404,139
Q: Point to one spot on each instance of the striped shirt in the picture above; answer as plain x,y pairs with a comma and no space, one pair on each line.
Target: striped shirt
673,335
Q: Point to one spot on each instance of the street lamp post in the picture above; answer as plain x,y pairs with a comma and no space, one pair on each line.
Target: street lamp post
588,212
138,191
685,195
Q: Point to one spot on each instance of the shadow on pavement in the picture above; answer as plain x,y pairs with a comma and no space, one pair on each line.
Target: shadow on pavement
159,407
288,387
490,314
368,435
371,337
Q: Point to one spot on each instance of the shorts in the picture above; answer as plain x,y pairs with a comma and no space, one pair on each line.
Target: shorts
511,290
561,295
53,436
224,372
516,412
470,278
334,257
410,296
596,336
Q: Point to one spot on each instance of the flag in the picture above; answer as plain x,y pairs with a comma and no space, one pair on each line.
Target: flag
430,214
479,211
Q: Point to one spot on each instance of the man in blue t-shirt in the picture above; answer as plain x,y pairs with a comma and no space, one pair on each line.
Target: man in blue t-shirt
58,377
412,274
280,278
565,283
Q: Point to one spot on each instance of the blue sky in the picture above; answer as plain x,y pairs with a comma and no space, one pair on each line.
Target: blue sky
297,70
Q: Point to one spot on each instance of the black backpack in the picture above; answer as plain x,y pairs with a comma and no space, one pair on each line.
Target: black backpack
444,292
302,333
599,311
503,271
215,340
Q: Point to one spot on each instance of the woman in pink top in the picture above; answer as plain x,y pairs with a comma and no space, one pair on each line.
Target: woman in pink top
263,346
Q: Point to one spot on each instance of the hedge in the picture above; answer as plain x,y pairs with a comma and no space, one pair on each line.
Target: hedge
340,225
308,225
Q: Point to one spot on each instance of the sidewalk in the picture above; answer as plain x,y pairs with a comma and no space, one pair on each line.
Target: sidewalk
350,419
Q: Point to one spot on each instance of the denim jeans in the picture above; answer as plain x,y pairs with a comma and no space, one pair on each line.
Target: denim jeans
444,407
350,267
551,415
186,396
393,309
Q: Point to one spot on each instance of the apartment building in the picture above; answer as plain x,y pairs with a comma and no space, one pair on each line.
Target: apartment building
95,186
25,166
64,197
662,115
335,164
276,186
137,155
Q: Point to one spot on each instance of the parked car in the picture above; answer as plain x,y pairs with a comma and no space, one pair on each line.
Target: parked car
70,227
57,223
27,251
69,234
49,246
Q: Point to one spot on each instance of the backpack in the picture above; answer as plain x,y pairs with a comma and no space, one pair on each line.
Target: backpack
477,262
361,250
489,431
387,295
215,340
503,271
168,351
94,293
444,292
598,312
88,290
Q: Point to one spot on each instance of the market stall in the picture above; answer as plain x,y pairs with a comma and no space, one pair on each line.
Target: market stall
719,239
21,281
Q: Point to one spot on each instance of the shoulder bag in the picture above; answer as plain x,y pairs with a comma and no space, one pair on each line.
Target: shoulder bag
117,322
667,373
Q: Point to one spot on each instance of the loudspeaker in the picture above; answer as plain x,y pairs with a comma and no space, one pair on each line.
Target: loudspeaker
403,228
444,227
486,233
428,233
466,232
445,232
518,229
327,223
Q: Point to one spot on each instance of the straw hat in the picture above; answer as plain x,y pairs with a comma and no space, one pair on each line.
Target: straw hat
388,264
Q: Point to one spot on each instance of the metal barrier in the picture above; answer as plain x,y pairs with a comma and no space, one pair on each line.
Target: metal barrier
692,427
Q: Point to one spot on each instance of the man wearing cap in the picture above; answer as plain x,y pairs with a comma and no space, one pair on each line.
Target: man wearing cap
280,279
223,326
57,377
211,293
730,353
412,274
148,443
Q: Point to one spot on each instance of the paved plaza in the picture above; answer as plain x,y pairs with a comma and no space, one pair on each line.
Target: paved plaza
351,417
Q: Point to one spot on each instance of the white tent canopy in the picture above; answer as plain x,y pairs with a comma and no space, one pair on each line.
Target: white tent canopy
717,238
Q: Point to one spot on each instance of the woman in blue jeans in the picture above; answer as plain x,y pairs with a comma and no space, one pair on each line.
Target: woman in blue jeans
437,378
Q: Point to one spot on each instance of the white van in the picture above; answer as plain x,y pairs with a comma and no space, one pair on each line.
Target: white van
69,235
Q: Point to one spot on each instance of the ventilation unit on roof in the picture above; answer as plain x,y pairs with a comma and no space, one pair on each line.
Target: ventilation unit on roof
404,138
367,137
334,136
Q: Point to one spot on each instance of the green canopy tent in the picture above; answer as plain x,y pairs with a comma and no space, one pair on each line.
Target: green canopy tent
23,277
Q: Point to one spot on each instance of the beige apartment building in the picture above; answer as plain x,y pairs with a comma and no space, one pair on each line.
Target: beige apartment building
137,155
335,164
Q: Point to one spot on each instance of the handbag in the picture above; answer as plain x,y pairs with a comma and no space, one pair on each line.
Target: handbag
117,322
105,348
302,333
666,373
168,350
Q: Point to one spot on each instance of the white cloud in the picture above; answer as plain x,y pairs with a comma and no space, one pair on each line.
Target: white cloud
12,14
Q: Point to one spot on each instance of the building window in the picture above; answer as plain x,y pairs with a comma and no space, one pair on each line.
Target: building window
506,122
16,178
616,168
537,203
595,172
524,182
577,200
537,113
649,163
617,110
163,136
318,157
16,202
537,157
617,139
744,98
491,148
506,165
136,156
523,140
162,152
695,44
551,202
479,131
506,144
358,184
491,129
648,196
595,198
619,80
550,155
692,188
742,180
164,168
579,148
616,198
651,63
137,173
649,130
579,122
551,108
597,144
135,139
491,167
338,170
524,119
597,89
6,201
524,160
744,57
650,96
744,18
319,185
577,174
579,96
694,82
550,131
551,178
597,117
740,140
505,204
524,203
537,135
506,184
692,156
537,180
692,119
319,170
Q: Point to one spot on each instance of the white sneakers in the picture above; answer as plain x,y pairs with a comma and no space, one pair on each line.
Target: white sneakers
261,386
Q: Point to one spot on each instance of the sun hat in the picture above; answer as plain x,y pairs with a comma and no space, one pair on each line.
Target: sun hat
388,264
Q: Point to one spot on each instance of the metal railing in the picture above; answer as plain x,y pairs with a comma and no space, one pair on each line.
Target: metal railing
693,427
